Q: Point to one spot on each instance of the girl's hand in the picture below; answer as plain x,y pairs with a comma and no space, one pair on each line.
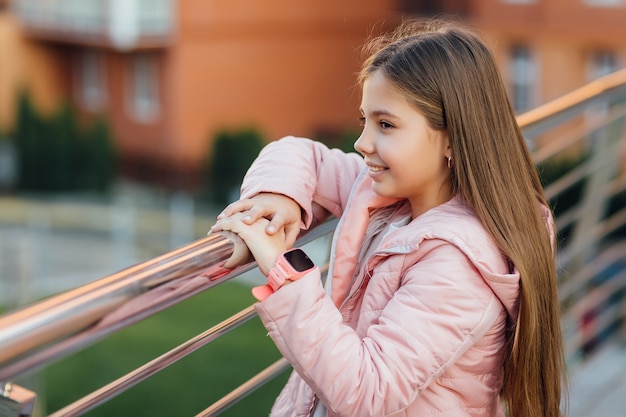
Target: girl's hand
241,254
283,213
264,247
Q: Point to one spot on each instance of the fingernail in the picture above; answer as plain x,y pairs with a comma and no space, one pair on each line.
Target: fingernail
271,229
247,219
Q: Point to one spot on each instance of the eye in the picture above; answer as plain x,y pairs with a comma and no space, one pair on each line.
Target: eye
385,125
362,121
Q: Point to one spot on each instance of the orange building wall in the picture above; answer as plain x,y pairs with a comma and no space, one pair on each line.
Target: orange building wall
286,68
27,64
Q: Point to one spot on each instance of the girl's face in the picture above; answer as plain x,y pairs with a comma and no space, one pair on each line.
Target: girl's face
406,157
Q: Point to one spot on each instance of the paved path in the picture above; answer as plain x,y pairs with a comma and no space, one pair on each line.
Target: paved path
47,246
598,387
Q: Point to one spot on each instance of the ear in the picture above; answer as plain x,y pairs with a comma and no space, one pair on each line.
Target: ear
447,151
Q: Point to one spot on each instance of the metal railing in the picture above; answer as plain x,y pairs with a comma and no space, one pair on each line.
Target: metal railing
37,335
579,141
575,141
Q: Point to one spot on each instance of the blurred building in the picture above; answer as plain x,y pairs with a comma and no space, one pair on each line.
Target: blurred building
547,48
169,74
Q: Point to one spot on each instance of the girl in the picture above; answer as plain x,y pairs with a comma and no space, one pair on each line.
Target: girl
441,297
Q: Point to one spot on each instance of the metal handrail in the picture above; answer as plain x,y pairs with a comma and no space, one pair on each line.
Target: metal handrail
84,308
58,317
563,107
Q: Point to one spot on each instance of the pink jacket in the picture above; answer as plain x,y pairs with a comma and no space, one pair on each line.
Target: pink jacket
421,334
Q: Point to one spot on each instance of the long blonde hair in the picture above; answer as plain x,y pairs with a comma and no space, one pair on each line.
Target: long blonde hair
450,75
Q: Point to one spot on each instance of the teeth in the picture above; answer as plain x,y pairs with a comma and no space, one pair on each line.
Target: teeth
376,169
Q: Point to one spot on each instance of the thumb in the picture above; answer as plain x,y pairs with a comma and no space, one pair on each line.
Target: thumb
241,254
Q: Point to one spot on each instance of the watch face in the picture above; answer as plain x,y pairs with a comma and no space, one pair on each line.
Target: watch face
299,260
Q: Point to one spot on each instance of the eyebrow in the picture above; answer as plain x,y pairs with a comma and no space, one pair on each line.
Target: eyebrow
379,113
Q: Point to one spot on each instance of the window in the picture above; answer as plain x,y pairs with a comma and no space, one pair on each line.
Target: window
605,3
601,63
433,7
143,87
522,76
91,80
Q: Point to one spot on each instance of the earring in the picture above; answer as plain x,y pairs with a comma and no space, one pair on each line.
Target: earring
449,162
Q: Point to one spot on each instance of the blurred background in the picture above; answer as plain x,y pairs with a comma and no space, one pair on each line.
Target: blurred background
126,125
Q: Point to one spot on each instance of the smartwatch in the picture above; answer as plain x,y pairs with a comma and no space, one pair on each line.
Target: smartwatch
291,265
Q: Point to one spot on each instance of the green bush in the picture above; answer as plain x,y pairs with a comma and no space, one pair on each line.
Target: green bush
99,157
61,147
616,204
233,152
30,154
55,154
552,170
341,139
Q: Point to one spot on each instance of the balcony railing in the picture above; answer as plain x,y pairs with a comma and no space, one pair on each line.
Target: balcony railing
120,24
576,140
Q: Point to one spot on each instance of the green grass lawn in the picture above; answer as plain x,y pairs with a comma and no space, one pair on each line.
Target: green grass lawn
188,386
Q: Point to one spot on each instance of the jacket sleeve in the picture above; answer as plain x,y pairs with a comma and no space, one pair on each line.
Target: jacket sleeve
306,171
441,309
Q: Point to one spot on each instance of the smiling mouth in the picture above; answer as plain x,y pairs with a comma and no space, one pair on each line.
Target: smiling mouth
376,169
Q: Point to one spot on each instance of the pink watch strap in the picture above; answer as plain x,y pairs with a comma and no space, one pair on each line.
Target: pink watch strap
275,279
262,292
282,271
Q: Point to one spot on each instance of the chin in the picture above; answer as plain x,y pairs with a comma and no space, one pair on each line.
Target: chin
382,192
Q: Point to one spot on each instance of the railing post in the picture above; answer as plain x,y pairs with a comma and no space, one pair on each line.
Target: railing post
16,401
604,165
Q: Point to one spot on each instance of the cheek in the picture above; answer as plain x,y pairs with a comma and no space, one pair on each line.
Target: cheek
424,161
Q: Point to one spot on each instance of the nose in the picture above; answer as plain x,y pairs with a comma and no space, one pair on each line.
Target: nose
363,144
